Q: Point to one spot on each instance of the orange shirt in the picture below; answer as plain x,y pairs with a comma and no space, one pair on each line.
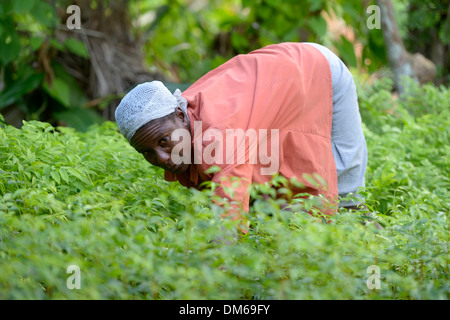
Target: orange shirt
286,87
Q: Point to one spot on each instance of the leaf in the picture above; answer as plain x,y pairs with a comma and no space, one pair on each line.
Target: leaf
79,118
9,45
23,6
18,89
45,14
319,26
36,43
76,173
310,180
160,14
55,176
77,47
346,51
5,7
60,90
239,41
57,45
212,169
65,89
64,175
320,179
315,5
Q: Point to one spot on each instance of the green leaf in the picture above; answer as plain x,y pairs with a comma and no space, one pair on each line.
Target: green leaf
65,89
60,90
9,46
64,175
5,7
36,43
57,45
23,6
18,89
45,14
239,41
318,26
55,176
320,179
76,173
315,5
212,169
310,179
77,47
79,118
346,51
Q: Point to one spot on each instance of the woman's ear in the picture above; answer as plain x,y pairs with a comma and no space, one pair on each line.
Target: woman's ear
179,113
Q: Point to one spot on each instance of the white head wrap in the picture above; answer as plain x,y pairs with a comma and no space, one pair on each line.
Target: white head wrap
146,102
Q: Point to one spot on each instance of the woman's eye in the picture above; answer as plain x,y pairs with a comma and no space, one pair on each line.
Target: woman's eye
163,141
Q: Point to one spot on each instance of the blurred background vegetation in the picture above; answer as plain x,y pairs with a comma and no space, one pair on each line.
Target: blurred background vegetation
77,77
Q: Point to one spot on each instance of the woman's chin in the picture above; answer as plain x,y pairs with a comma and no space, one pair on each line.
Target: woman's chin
180,168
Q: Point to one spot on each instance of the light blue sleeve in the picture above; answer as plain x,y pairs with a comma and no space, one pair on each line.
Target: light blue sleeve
347,137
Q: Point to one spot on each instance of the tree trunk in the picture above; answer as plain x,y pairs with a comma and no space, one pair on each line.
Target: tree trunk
116,59
402,62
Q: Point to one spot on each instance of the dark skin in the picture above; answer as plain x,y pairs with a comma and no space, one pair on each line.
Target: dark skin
153,141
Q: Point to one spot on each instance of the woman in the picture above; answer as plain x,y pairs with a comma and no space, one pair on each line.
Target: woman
297,100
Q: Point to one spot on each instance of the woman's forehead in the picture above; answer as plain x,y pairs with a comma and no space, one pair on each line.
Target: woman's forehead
149,132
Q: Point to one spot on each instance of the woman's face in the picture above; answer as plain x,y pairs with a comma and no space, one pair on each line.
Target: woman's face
153,141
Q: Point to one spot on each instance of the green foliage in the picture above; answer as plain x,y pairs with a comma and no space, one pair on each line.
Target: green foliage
89,199
408,142
185,39
212,32
427,29
30,79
